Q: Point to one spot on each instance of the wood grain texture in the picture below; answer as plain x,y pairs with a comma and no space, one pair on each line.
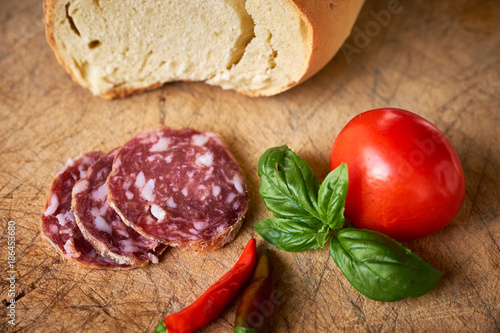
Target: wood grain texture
439,59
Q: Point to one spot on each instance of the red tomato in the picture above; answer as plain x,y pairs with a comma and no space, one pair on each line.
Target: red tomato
405,177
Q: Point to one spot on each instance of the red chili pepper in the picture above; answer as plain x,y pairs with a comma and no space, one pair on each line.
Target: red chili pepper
256,303
210,305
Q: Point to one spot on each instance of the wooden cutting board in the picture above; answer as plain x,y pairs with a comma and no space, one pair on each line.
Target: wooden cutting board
437,58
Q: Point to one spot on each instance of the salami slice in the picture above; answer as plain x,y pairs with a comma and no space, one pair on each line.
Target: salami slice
58,222
102,226
179,187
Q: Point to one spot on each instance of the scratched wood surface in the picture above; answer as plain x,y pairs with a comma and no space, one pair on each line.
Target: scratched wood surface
437,58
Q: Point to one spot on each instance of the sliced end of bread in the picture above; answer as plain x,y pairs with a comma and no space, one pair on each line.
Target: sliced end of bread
256,47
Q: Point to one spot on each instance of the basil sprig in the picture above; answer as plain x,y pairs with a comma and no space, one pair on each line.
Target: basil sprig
307,215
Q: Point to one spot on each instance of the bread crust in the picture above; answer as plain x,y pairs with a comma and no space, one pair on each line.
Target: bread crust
328,24
325,19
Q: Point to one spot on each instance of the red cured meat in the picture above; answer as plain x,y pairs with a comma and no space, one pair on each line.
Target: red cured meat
102,226
179,187
58,222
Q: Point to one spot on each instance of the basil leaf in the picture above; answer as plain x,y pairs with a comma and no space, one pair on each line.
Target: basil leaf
289,186
292,235
379,267
331,197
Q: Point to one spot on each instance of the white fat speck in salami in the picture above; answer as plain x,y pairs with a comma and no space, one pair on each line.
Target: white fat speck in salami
100,193
238,184
102,226
148,190
181,198
53,204
205,159
216,190
231,197
58,223
140,181
171,203
61,219
54,229
71,251
68,216
199,140
161,145
199,225
81,186
158,212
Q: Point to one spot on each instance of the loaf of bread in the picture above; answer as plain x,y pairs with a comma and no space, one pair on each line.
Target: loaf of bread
256,47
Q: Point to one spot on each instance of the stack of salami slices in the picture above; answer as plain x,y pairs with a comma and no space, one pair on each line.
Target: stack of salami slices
164,187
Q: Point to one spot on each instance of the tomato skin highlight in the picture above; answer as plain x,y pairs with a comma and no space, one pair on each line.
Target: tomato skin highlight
405,177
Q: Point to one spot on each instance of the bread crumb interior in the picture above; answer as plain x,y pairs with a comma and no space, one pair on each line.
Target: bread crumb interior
246,45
